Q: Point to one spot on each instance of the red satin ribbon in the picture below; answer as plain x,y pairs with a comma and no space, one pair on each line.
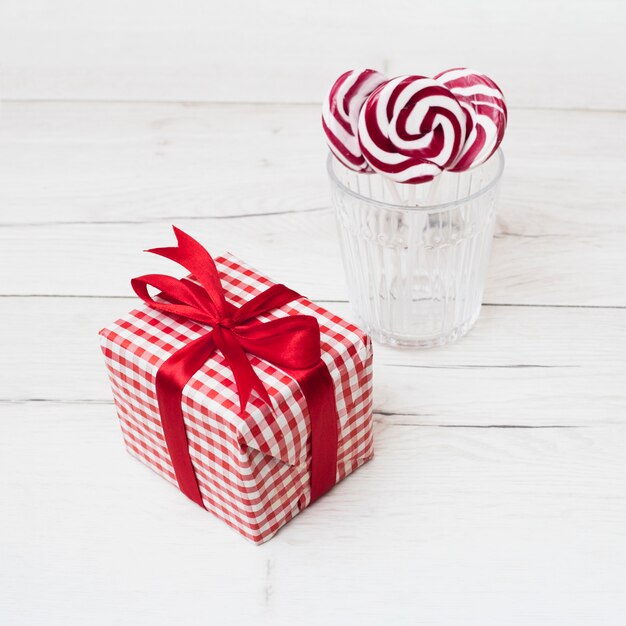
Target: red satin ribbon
290,343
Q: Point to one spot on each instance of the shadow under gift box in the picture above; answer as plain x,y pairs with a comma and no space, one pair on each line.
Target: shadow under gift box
252,469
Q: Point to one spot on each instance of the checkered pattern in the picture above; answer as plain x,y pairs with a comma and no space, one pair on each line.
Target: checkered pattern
252,470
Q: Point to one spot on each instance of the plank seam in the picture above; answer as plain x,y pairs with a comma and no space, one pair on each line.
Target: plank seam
478,366
318,301
384,414
268,103
160,220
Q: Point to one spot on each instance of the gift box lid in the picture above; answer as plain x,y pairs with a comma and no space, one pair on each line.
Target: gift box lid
144,338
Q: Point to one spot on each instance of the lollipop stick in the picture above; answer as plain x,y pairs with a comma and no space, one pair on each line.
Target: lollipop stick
412,201
431,197
392,190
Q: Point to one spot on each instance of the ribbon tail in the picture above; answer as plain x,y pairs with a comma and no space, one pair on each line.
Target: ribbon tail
246,379
191,255
171,379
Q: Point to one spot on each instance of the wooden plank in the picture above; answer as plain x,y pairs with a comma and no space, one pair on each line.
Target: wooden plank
237,51
521,526
519,366
62,162
300,250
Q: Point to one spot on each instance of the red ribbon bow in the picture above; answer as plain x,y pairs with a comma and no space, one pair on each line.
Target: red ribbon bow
290,343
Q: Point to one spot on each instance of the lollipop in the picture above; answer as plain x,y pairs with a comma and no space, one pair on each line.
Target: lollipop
411,128
486,113
340,115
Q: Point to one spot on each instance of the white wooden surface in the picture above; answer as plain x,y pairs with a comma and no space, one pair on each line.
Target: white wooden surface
551,53
498,491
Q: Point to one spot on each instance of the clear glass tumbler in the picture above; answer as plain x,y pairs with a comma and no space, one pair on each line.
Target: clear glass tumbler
415,256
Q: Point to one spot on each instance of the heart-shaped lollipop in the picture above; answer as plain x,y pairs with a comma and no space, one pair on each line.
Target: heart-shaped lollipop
340,115
411,129
483,102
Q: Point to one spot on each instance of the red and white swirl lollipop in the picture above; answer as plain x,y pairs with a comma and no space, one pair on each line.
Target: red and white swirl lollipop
340,115
486,111
411,129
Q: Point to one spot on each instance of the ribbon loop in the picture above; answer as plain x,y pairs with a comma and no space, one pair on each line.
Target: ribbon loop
272,298
181,299
292,341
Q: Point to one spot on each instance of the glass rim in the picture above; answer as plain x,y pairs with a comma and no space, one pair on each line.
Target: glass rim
426,207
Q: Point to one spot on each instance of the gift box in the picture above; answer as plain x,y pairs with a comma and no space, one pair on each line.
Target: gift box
251,399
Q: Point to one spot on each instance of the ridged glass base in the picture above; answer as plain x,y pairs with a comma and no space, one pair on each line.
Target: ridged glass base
408,341
416,256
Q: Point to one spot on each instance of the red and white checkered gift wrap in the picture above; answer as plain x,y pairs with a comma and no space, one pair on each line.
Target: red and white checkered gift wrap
253,470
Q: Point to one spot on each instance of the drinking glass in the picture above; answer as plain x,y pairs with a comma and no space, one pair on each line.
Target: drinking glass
415,256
